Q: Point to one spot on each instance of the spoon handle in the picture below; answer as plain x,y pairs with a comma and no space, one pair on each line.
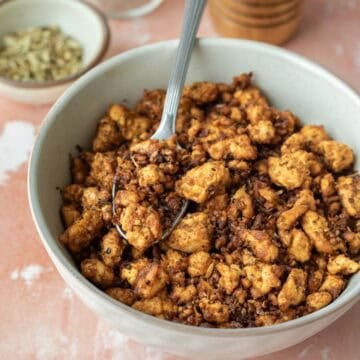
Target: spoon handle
193,12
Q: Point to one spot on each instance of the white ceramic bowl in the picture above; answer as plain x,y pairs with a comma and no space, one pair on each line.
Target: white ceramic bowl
290,82
77,19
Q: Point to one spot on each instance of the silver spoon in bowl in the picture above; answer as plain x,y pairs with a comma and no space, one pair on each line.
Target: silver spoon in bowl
166,129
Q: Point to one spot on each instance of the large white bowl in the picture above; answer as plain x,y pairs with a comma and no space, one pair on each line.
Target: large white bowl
290,82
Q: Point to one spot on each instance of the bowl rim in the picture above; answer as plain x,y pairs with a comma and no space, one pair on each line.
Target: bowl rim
103,48
105,302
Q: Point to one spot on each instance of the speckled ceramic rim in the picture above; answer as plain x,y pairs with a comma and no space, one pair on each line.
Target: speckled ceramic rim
105,301
106,34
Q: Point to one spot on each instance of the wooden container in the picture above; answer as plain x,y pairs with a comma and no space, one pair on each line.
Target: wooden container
272,21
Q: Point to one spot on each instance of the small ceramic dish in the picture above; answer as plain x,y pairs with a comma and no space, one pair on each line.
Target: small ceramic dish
76,19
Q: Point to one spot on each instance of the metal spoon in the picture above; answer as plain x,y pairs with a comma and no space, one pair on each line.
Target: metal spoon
166,129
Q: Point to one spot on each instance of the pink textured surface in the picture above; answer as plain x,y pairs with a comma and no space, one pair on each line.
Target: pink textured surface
40,317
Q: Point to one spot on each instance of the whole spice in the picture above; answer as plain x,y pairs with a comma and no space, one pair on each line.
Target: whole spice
39,54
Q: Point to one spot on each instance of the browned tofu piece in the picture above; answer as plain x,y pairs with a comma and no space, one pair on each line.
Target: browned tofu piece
263,278
215,312
293,143
159,306
237,147
287,219
125,296
316,228
262,132
293,291
337,156
82,231
300,246
201,92
73,193
269,195
353,240
79,170
192,234
94,198
97,272
290,170
349,191
69,214
314,135
327,186
241,203
261,245
230,276
130,271
199,263
250,95
124,198
199,183
258,112
142,226
182,295
343,265
150,280
112,247
130,124
150,175
102,170
333,284
318,300
108,136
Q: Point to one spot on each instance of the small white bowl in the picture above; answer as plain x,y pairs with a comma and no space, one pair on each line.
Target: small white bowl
290,81
75,18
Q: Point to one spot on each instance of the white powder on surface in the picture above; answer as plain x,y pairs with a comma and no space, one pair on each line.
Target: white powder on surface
15,144
356,56
29,273
68,294
339,49
325,353
304,352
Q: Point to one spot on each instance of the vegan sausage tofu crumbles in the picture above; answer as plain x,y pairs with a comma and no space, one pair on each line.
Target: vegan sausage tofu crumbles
272,230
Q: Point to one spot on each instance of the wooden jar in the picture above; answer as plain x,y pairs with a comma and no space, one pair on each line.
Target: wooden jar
272,21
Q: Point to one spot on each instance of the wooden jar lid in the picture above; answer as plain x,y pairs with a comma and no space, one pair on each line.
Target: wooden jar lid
268,10
273,21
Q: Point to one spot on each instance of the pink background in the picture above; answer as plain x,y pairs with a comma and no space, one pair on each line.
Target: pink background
40,316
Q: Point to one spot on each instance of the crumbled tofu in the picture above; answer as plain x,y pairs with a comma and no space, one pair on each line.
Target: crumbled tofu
216,312
192,234
261,245
238,147
333,284
97,272
317,228
262,132
241,203
150,280
263,278
142,226
125,296
84,230
318,300
112,247
199,263
293,291
341,264
349,192
199,183
337,156
230,275
290,170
